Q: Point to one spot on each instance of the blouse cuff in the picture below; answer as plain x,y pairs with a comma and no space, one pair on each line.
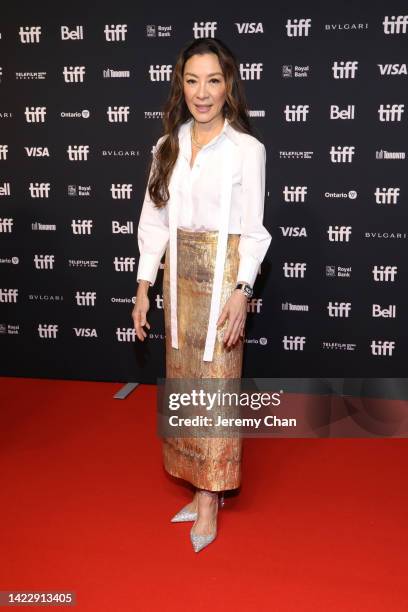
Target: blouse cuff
248,269
148,267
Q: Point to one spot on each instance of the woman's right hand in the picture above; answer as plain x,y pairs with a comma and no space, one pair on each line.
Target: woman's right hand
139,312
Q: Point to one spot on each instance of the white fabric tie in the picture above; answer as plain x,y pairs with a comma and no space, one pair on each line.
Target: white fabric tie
225,203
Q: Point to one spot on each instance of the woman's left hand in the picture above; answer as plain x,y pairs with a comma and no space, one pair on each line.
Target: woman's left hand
235,310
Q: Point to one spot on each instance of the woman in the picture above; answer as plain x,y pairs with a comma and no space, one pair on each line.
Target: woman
203,208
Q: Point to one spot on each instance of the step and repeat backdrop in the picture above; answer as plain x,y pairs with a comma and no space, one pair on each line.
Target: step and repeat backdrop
81,98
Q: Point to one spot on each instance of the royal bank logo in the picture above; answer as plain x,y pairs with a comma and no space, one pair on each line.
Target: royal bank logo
159,31
289,71
338,271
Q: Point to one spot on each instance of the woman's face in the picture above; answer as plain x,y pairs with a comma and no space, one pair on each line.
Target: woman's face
204,87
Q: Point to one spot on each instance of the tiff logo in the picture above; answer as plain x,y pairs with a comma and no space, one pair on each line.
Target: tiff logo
39,190
3,151
395,25
382,348
298,27
6,225
344,70
250,72
8,296
339,233
44,262
35,114
294,270
339,309
29,34
391,112
47,330
73,74
341,154
121,191
118,114
386,195
296,112
124,264
384,274
115,33
204,29
293,343
85,298
294,194
78,152
160,72
81,226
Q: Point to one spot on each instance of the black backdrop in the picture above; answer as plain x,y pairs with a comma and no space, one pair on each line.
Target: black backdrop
68,259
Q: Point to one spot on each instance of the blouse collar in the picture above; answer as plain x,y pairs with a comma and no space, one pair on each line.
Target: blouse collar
185,140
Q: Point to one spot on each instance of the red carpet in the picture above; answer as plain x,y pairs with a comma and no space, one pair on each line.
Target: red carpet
86,505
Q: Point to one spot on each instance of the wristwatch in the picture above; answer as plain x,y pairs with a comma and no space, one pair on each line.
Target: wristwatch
247,289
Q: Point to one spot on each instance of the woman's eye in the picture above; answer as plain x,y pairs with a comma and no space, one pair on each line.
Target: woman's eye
189,81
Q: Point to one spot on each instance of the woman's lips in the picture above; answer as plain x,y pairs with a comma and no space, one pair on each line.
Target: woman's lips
202,108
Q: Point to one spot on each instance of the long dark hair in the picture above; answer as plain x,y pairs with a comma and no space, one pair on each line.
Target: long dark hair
176,112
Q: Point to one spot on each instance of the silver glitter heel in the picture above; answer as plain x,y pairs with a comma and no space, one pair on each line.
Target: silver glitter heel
200,541
186,515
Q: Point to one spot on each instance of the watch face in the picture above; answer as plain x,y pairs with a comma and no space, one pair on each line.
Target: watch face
248,291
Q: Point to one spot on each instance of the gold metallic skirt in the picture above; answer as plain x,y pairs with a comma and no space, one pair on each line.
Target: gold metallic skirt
210,462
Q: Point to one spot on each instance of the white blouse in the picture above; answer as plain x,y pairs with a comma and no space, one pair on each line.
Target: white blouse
224,191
